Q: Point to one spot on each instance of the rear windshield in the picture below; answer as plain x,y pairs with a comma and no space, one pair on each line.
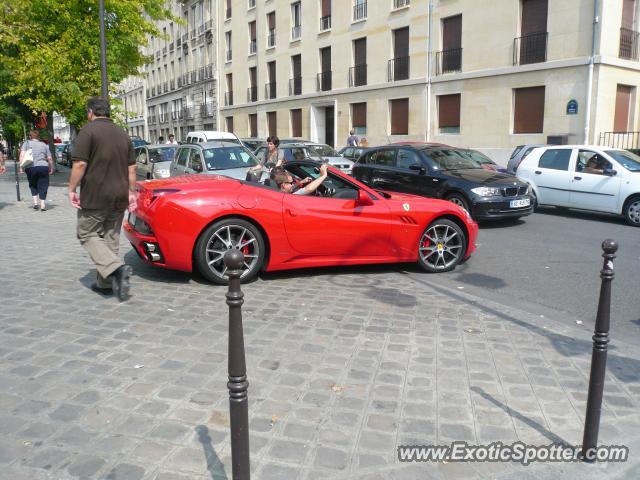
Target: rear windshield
228,157
628,160
162,154
449,159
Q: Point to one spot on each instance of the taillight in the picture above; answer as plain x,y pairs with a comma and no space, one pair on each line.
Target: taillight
148,196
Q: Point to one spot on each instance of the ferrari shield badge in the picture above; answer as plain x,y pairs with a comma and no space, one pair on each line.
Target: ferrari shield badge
406,207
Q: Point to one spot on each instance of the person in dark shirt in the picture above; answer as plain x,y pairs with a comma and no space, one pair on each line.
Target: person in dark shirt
104,166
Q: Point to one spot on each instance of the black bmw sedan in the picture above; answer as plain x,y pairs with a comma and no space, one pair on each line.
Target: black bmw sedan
447,173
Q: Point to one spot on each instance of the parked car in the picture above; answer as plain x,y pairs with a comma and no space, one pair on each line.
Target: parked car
213,158
59,149
65,155
447,173
484,161
189,223
201,136
520,153
302,151
154,161
352,153
586,177
252,143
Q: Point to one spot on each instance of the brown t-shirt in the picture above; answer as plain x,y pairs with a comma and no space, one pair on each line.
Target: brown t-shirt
108,151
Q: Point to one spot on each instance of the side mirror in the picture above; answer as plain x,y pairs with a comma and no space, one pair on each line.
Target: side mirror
363,199
418,168
609,172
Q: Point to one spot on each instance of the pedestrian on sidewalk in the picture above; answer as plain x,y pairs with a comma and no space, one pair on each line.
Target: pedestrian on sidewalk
352,139
3,158
172,140
37,172
104,165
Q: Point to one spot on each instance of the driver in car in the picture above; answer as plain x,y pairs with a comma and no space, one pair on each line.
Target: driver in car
286,184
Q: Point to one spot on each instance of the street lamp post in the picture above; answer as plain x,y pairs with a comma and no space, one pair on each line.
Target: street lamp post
103,53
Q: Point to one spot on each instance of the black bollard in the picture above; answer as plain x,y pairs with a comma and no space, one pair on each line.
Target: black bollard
599,355
238,384
17,179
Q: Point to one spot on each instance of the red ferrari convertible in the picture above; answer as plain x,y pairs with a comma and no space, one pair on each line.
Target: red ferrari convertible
190,222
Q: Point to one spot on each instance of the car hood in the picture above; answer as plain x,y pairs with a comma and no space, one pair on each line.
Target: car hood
237,173
483,177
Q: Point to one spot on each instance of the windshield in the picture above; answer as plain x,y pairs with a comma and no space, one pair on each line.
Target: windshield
478,156
323,150
628,160
162,154
446,159
228,157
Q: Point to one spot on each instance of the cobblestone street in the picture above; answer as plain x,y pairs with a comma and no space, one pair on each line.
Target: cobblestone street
344,365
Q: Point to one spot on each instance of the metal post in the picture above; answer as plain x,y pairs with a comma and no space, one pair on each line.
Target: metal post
599,355
238,384
103,53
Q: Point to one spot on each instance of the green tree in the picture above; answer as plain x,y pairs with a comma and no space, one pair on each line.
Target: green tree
52,49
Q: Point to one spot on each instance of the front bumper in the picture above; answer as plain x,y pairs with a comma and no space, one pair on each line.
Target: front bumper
487,208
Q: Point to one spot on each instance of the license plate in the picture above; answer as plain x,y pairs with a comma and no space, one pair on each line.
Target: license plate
132,219
525,202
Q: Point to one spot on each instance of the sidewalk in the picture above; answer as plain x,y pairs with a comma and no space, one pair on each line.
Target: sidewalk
344,365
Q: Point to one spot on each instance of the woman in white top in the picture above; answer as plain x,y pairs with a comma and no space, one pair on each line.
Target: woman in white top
38,172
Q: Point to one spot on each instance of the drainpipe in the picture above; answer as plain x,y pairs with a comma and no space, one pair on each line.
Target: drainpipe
587,112
428,125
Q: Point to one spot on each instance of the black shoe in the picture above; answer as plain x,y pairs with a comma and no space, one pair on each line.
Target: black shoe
35,207
120,282
102,290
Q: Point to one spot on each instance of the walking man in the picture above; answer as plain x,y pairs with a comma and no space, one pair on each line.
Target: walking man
172,140
104,166
352,139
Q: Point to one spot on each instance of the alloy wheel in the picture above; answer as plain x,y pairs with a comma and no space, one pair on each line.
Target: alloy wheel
633,212
228,237
441,246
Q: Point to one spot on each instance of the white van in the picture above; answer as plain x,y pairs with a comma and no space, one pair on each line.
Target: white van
202,136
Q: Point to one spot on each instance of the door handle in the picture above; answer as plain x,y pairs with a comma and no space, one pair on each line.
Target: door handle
577,178
538,172
291,213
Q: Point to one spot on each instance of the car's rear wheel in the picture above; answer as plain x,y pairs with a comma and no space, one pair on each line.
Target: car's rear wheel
631,211
442,246
225,235
459,200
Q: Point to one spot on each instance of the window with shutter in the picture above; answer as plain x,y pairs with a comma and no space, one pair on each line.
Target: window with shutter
449,113
621,115
253,125
400,116
359,118
528,110
272,126
296,122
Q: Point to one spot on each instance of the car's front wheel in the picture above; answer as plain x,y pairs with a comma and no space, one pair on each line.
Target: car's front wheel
442,246
216,240
459,200
631,211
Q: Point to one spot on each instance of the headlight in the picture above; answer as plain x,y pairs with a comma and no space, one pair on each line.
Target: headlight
486,191
529,189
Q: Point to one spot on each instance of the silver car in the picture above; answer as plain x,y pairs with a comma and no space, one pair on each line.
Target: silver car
154,161
303,151
213,158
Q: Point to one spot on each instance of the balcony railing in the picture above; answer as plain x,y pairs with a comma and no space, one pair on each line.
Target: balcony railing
194,76
627,140
325,23
360,11
253,46
151,119
252,94
208,70
295,86
185,79
228,55
201,73
207,109
530,49
324,81
358,75
187,112
271,38
270,90
629,44
296,32
449,61
228,98
398,69
400,3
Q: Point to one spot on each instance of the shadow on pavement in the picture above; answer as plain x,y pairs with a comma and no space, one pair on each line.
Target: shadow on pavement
214,465
159,274
582,214
501,223
523,418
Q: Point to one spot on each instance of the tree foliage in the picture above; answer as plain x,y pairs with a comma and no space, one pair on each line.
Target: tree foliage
51,48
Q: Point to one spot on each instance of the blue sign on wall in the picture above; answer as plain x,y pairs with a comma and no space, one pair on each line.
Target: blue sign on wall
572,107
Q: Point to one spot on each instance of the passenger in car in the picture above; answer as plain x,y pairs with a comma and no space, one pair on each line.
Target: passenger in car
594,166
286,183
